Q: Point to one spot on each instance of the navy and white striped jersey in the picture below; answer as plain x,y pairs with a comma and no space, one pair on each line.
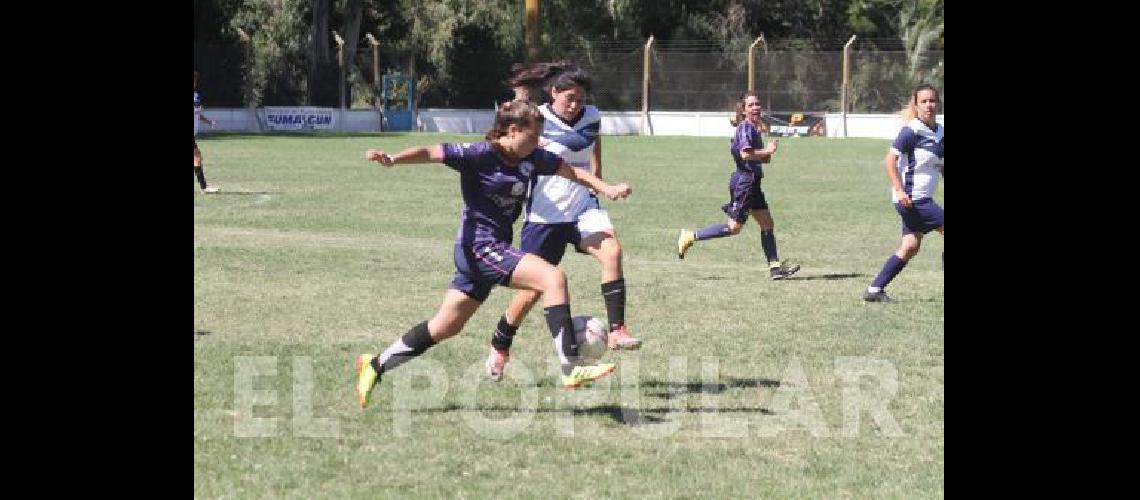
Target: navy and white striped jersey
558,199
920,155
197,110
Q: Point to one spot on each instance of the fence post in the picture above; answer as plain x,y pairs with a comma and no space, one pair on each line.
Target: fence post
532,36
339,65
752,61
646,126
375,60
846,80
249,90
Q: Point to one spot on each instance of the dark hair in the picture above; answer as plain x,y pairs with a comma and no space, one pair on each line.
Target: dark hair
740,107
518,113
539,77
571,77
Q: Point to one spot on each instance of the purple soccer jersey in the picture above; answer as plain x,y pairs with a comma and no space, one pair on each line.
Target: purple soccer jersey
494,192
747,137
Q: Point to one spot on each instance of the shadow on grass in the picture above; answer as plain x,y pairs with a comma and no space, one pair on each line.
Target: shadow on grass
712,278
673,389
632,416
827,277
617,413
241,193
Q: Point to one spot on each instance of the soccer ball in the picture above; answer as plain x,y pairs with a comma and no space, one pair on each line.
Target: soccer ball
591,334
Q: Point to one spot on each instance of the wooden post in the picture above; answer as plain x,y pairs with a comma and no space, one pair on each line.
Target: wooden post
250,92
375,59
533,38
646,126
752,61
846,80
340,65
375,62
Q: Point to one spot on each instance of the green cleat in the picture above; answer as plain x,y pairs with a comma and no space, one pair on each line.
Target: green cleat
684,241
366,378
584,375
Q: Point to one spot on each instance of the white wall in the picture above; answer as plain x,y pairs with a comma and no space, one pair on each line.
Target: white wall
882,126
477,121
243,120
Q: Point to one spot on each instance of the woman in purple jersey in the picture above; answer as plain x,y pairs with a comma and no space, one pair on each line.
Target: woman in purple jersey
495,176
561,213
914,164
745,197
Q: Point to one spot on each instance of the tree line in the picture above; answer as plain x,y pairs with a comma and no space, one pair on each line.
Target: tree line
283,52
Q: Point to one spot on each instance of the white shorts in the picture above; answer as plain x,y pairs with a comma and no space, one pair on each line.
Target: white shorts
594,220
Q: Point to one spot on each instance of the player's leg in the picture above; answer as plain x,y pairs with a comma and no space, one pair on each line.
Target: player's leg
740,198
763,216
533,273
940,228
198,172
599,239
547,241
504,335
457,308
911,243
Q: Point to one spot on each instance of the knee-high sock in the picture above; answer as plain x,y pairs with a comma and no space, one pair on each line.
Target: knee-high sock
562,329
891,268
768,243
201,176
412,344
613,293
713,231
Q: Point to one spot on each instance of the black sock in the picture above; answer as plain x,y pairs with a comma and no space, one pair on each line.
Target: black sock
768,242
412,344
562,329
201,176
614,294
504,335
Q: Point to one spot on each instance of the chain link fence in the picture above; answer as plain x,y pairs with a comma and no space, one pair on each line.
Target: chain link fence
681,78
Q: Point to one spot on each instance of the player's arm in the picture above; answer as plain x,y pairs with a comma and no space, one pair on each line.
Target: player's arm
429,154
581,176
764,155
892,161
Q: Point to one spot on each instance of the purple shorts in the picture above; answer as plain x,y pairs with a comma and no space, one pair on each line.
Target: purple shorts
923,216
745,193
479,267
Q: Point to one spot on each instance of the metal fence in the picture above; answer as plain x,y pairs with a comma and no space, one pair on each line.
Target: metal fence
679,79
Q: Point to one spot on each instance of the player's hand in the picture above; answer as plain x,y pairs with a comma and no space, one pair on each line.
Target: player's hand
904,199
379,156
772,146
618,191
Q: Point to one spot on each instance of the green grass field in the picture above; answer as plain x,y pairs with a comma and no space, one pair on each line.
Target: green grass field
745,388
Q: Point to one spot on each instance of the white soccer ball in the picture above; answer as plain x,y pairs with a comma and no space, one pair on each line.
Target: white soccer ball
591,334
